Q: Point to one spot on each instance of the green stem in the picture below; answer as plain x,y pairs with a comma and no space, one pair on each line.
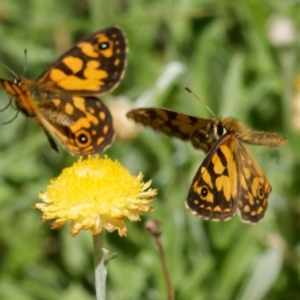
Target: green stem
100,266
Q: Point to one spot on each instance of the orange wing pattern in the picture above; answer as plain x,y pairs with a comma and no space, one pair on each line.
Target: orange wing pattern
62,99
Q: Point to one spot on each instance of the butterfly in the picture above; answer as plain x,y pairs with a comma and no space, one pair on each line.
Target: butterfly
62,100
228,180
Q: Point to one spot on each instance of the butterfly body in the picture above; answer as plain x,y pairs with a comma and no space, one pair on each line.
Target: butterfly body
229,179
62,100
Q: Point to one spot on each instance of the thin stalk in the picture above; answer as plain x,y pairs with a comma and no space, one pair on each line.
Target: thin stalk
100,266
152,227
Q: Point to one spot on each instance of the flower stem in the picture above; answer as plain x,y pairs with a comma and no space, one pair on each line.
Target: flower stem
100,266
152,227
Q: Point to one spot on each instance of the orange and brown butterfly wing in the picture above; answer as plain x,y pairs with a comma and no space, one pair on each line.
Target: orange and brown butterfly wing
214,189
94,65
172,123
254,187
83,128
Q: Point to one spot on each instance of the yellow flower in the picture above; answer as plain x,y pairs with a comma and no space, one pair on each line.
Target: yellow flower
96,193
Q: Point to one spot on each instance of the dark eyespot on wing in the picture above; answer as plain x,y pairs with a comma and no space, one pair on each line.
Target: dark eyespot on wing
254,188
212,194
84,128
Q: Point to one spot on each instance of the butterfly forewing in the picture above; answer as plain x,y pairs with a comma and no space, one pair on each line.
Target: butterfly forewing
213,191
94,65
172,123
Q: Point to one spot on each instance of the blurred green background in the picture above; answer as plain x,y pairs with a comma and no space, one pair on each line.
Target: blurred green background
241,58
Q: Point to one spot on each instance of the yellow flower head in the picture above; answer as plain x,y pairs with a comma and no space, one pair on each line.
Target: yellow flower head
96,193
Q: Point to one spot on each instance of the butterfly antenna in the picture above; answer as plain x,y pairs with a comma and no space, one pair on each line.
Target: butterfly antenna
9,69
191,92
5,123
9,104
25,61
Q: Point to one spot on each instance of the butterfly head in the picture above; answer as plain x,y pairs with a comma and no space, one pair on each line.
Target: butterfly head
206,136
218,130
17,80
215,130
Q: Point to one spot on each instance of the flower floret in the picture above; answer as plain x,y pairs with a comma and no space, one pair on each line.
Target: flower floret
96,193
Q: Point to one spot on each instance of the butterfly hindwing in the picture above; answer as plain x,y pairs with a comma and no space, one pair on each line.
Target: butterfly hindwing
254,187
82,124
